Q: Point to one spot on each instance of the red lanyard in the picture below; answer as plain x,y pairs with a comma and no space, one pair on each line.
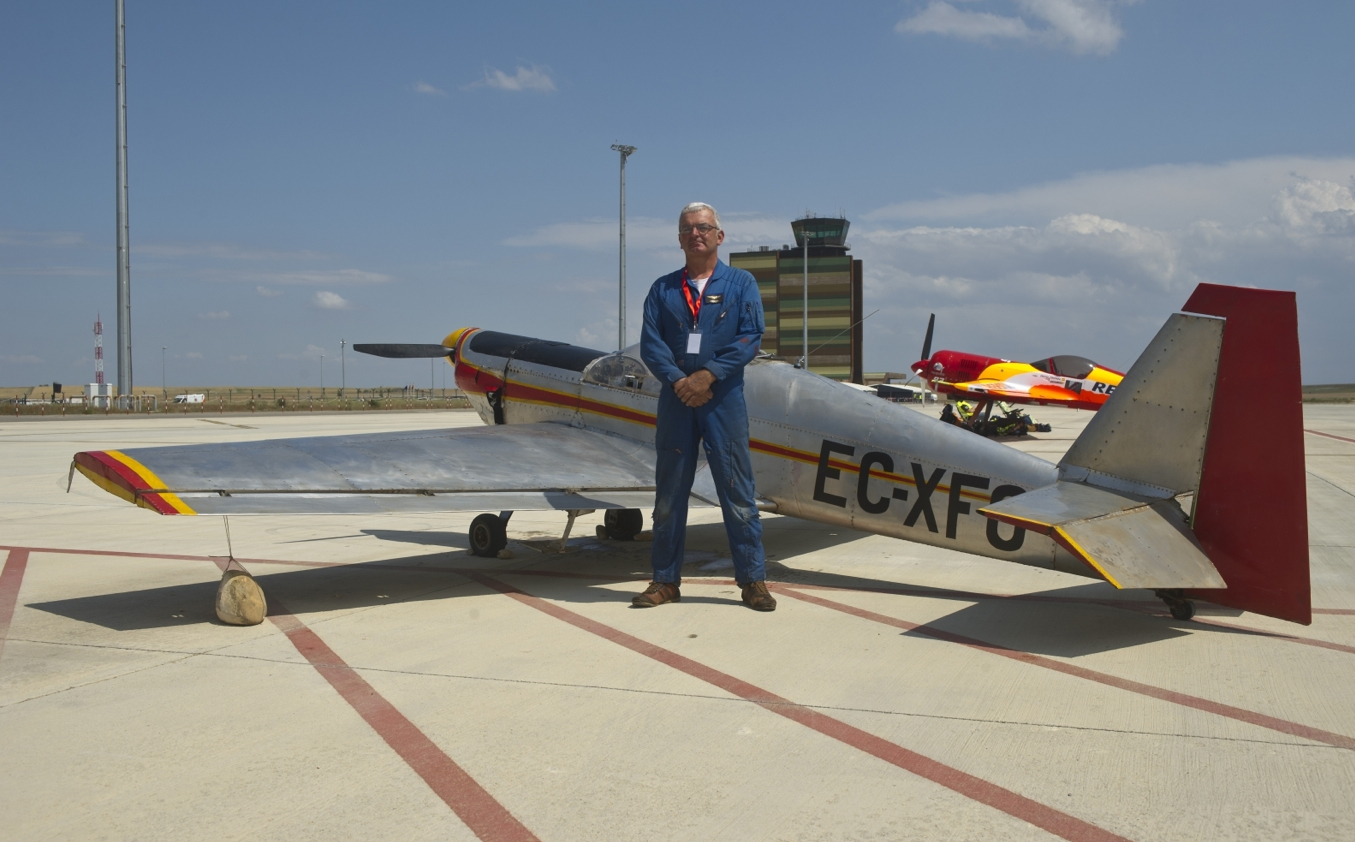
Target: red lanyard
694,306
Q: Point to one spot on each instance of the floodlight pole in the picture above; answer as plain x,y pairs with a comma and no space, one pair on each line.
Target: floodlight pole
322,381
343,369
626,152
164,395
124,261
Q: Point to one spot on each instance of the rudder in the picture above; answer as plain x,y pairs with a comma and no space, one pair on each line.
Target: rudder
1251,511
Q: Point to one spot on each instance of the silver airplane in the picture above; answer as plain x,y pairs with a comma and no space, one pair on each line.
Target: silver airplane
1164,489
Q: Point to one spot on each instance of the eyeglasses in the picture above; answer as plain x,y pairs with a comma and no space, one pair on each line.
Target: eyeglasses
703,229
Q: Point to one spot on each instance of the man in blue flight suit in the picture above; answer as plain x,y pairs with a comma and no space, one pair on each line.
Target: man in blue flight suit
703,324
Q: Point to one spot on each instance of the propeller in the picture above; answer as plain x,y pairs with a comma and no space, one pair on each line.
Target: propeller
926,355
407,351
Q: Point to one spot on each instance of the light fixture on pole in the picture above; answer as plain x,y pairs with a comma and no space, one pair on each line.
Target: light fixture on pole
626,152
343,369
322,380
164,394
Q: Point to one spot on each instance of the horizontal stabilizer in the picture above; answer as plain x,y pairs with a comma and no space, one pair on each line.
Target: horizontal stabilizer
1132,541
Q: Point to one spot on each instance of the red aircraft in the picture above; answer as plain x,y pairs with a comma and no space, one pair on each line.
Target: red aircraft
1065,380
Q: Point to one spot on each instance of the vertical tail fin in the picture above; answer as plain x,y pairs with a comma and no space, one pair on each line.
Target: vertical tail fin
1251,510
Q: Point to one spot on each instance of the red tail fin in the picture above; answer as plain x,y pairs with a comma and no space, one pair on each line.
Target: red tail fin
1251,511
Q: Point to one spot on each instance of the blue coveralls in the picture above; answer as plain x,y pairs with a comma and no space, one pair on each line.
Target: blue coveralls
731,327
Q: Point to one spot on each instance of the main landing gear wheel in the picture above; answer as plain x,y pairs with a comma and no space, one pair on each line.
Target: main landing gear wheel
623,524
488,535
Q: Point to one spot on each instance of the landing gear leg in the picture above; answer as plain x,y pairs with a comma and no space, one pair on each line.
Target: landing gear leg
573,515
1181,608
489,534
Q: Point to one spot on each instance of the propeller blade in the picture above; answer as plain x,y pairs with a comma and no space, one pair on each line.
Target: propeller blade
404,351
926,343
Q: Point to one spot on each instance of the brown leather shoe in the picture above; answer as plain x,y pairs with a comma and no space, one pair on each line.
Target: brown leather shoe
657,594
757,597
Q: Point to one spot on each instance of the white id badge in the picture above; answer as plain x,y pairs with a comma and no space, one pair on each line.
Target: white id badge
694,343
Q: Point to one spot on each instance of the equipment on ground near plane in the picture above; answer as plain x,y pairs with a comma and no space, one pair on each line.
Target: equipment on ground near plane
1164,489
1066,380
1012,421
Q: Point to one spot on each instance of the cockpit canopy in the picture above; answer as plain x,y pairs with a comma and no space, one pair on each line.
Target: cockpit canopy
1066,365
622,370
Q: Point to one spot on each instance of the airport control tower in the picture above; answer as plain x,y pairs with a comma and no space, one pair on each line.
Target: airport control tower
834,296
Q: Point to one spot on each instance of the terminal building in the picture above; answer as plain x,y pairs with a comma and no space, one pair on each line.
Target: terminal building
834,297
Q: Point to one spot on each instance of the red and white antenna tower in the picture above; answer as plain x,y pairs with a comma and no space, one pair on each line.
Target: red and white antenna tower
99,349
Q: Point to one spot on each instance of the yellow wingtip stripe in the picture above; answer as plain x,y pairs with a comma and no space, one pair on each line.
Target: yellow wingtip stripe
153,482
111,487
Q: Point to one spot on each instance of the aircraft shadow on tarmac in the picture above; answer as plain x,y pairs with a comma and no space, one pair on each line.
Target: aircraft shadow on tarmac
1066,622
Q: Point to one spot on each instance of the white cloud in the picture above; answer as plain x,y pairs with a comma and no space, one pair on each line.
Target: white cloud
330,301
223,251
240,358
1315,207
215,316
310,277
194,355
1168,195
20,359
425,88
10,237
266,292
742,230
532,78
1079,26
312,352
53,271
1089,282
600,334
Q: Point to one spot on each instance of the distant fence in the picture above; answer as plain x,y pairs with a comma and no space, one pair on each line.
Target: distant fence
220,401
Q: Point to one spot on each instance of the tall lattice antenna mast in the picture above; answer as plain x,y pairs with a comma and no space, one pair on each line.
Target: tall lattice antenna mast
99,349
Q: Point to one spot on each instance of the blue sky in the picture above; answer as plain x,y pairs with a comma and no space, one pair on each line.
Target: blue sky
1048,176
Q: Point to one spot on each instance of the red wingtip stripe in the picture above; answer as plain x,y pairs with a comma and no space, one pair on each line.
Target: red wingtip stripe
100,463
119,478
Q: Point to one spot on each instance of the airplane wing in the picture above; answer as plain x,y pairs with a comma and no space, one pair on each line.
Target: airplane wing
524,467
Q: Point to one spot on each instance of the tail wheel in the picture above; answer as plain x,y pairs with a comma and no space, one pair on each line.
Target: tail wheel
623,524
488,535
1183,610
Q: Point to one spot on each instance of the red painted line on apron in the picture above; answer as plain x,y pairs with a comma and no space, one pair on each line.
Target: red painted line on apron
11,579
1250,717
1042,816
482,813
1328,435
1288,638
